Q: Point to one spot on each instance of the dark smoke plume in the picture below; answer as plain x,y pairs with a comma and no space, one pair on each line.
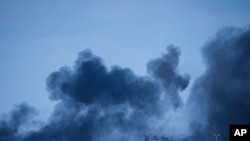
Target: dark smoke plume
97,103
223,92
13,124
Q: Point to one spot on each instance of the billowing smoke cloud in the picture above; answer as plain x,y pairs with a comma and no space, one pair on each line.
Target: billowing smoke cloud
97,103
164,70
223,92
13,125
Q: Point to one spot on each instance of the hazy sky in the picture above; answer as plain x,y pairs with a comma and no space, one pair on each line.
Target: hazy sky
38,37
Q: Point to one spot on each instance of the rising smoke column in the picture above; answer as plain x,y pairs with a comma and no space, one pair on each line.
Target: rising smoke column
97,103
222,94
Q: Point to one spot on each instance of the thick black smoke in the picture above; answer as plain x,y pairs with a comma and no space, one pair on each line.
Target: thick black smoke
223,92
97,103
164,70
12,125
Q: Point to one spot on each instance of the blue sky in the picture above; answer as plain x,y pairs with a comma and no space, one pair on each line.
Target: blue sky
38,37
